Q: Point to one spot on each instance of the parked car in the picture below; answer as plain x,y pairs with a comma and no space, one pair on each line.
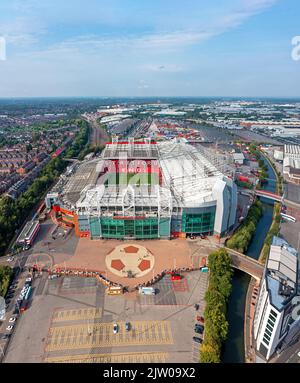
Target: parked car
197,340
115,328
200,318
197,325
127,326
10,327
198,330
12,319
176,277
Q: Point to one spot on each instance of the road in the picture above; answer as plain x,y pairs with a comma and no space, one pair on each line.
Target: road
19,280
290,355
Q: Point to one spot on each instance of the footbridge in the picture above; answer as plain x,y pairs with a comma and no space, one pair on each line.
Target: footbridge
269,195
246,264
272,196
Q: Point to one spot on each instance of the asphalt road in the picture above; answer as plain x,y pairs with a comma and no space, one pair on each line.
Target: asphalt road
290,355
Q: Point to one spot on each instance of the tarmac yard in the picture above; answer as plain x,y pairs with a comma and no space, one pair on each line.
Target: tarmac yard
134,357
70,320
69,315
101,335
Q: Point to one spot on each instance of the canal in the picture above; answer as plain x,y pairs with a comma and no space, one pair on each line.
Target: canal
233,350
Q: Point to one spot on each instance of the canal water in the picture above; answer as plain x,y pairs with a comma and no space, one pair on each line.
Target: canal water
233,350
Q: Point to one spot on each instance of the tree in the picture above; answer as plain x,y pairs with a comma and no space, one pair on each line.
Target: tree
210,353
216,297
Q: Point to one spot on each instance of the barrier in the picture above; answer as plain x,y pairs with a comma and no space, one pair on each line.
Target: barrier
100,278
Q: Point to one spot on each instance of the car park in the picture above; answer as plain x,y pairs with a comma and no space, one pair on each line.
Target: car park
197,340
115,328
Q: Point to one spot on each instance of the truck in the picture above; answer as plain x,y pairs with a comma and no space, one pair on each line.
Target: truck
147,290
114,290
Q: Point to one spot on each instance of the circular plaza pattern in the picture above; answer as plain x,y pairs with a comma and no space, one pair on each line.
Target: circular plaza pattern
129,261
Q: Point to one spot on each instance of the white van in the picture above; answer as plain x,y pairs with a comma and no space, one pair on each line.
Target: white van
147,290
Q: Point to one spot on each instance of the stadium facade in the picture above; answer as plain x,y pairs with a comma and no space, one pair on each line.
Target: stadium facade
144,190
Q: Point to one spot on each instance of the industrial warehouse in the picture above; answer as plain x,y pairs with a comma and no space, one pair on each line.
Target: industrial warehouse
147,190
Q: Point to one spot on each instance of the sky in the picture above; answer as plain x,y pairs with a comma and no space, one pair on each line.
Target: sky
127,48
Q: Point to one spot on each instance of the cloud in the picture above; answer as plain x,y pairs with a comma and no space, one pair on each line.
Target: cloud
29,30
172,40
143,85
49,56
22,31
249,8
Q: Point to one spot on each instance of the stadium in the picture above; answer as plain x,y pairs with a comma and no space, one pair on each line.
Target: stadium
146,190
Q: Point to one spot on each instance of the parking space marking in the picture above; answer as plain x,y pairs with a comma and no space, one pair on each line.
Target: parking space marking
101,335
79,314
195,355
181,285
134,357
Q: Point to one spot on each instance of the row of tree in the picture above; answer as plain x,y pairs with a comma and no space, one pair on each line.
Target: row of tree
81,141
241,238
274,230
14,212
216,297
6,273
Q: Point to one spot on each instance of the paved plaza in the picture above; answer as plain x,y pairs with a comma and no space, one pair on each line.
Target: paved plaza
71,320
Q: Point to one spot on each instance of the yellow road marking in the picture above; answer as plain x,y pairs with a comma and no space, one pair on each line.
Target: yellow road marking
134,357
101,335
80,314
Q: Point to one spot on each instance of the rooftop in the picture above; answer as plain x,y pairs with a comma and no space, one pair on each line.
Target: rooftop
292,150
130,149
282,272
189,174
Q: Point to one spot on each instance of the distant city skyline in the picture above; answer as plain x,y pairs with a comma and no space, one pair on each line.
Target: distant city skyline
129,48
